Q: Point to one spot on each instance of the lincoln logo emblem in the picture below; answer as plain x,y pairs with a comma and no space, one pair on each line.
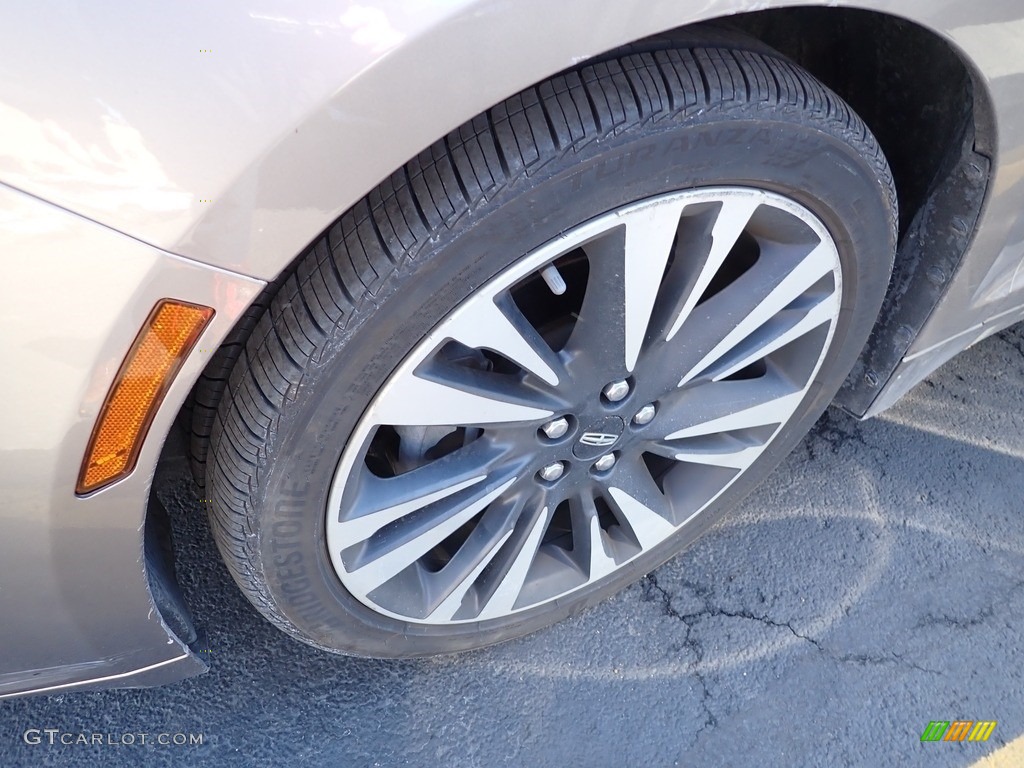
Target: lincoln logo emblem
598,439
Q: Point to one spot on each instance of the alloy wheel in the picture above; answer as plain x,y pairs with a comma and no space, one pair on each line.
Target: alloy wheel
583,406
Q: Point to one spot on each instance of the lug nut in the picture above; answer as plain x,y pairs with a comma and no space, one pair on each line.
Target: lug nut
605,463
555,428
552,471
616,391
645,415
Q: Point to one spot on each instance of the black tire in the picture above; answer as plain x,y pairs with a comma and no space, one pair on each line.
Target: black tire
508,181
208,391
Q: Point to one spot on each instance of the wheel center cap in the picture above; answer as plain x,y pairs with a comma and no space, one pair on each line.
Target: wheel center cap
599,437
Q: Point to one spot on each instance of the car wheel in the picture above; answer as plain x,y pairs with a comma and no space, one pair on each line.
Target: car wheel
543,356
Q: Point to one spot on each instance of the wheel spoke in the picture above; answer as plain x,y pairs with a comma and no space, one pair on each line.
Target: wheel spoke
363,527
501,327
786,282
785,327
719,450
451,604
378,501
585,519
732,219
599,332
448,587
642,505
650,232
504,597
384,565
413,400
732,405
601,563
448,607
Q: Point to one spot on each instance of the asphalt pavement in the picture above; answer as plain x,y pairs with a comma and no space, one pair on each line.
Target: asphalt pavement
875,583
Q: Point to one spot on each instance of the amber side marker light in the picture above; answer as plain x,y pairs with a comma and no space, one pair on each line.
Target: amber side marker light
166,338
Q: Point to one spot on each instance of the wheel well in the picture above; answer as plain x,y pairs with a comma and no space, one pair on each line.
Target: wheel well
925,105
908,84
932,116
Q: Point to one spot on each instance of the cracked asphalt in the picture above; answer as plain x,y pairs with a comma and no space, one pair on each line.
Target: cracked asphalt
874,583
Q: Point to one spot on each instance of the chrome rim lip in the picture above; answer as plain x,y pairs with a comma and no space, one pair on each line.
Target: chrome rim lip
579,236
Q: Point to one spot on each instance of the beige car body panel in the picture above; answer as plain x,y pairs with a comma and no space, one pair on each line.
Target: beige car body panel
197,148
74,597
